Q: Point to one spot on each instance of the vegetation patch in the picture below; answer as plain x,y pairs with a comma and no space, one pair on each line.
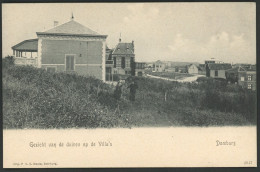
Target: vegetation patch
35,98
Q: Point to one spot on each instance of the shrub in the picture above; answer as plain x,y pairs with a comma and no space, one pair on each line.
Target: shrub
8,61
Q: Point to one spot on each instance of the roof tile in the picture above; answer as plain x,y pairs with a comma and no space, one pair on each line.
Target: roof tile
124,48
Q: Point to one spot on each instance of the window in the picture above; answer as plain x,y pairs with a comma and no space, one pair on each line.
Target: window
70,65
51,69
118,62
249,78
249,86
127,63
216,73
242,78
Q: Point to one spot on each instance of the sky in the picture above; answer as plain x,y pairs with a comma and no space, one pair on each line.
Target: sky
184,32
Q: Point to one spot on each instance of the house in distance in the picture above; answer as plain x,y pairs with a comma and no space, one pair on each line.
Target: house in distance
193,69
247,77
69,47
159,66
124,58
217,70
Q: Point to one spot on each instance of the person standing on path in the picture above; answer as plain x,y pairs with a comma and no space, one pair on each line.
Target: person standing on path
118,91
133,86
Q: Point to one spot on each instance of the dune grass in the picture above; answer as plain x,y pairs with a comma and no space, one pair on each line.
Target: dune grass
35,98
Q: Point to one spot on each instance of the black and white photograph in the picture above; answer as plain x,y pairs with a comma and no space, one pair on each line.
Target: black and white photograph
101,79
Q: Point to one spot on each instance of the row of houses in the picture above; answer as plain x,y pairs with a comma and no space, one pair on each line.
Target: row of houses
72,47
160,66
243,75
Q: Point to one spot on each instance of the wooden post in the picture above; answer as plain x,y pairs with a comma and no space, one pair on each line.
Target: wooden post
31,54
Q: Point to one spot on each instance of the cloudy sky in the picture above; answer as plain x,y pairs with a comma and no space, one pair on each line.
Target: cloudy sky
190,32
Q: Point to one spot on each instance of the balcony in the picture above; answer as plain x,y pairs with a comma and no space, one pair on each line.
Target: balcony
25,61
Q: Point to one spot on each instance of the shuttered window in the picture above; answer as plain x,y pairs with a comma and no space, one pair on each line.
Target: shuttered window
114,62
118,62
123,62
70,66
127,63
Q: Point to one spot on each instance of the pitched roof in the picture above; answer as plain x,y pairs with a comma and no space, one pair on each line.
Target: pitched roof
192,65
233,70
219,66
27,45
124,48
71,28
248,68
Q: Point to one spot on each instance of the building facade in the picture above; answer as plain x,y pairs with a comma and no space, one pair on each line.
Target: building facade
124,59
159,66
247,77
70,47
217,70
193,69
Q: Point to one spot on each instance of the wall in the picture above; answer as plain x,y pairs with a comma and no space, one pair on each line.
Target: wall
221,74
159,67
193,69
119,69
88,55
245,83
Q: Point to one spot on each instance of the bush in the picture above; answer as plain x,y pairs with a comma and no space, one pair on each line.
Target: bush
8,61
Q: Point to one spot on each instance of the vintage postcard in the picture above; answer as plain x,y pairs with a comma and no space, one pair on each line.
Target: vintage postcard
129,85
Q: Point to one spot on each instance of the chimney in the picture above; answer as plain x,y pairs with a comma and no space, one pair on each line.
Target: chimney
120,37
72,17
56,23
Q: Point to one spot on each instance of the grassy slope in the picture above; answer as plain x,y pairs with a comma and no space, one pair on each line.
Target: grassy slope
34,98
